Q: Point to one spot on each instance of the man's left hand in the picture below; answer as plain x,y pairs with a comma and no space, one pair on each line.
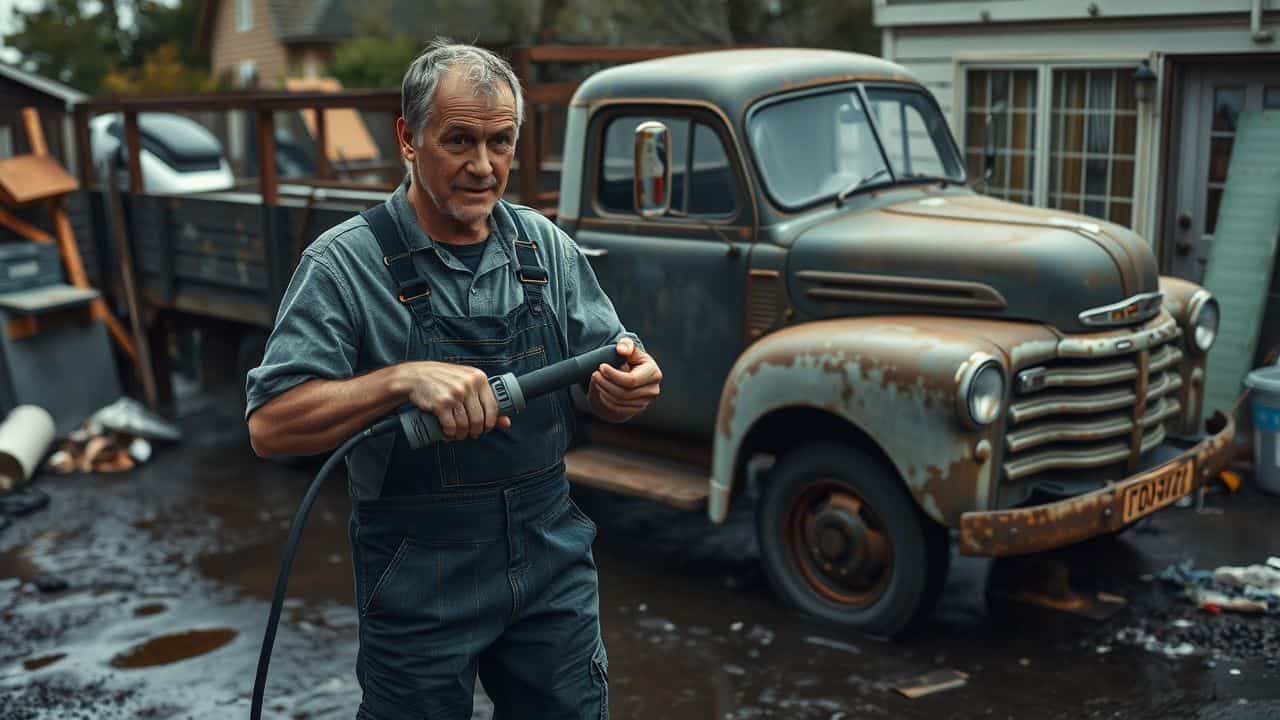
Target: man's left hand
617,395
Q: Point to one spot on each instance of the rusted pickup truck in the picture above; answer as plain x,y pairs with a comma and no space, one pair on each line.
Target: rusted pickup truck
890,357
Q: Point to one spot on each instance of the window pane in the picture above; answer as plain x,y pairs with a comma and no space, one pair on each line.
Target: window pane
617,164
712,186
1012,109
1219,158
1126,134
1211,210
1227,102
1094,142
1271,98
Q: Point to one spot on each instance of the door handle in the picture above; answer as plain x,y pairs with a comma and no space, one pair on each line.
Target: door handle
593,252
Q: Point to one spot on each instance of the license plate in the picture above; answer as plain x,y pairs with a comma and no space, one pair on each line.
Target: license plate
1159,490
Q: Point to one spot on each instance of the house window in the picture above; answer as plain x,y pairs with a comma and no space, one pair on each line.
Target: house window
244,15
1084,161
1007,100
1093,143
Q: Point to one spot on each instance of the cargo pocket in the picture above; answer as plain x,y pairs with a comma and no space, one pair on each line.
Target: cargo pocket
600,677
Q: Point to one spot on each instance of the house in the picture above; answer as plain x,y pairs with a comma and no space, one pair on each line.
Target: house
1061,81
20,89
260,43
1120,109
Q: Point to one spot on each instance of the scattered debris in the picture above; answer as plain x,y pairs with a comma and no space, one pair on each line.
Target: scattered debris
1259,576
932,682
833,644
1273,562
1227,588
130,417
1230,479
736,627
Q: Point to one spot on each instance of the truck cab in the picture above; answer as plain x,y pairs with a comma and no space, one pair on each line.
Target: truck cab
896,361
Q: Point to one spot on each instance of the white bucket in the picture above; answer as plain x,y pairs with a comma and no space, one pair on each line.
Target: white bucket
25,436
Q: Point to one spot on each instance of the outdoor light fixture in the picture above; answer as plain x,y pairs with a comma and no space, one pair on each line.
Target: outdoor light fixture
1144,82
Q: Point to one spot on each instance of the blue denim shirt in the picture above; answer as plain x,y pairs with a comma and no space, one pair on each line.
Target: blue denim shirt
340,317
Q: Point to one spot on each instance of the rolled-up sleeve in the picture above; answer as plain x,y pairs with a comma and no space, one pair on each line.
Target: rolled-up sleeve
591,322
314,336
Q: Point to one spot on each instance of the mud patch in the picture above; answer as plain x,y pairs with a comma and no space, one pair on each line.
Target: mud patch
149,609
169,649
43,661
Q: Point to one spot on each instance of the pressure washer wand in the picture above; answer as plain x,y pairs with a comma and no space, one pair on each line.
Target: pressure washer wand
421,429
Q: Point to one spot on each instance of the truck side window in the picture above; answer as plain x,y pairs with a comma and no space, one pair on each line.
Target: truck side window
618,161
712,186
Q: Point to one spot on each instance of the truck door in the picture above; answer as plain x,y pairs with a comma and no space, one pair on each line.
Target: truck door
673,280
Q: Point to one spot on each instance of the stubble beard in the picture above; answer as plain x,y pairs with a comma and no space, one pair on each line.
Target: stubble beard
466,216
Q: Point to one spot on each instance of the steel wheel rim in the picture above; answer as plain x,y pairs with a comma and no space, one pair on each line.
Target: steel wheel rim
838,543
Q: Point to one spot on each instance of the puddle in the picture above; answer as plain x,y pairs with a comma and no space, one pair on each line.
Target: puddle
149,609
43,661
168,649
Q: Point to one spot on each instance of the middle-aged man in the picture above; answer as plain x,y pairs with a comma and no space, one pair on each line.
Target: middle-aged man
469,555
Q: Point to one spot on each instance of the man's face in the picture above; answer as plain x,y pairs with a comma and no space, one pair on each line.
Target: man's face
465,155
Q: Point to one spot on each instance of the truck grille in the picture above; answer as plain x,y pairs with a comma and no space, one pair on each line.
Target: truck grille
1093,412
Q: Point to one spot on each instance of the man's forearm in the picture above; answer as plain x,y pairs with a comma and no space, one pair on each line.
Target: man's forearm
318,415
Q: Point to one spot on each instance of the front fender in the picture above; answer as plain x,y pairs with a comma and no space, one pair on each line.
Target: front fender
896,379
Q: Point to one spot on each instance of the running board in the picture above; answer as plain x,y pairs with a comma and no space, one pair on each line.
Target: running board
631,473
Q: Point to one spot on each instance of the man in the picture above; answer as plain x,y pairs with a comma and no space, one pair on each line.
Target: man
469,555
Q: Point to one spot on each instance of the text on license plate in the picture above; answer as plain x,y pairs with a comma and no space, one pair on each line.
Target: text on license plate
1158,490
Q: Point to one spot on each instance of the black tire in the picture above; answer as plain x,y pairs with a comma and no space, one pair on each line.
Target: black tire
827,508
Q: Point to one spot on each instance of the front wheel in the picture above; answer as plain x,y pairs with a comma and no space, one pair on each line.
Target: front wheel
841,539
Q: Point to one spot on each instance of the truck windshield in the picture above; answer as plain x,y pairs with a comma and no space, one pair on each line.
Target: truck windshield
813,147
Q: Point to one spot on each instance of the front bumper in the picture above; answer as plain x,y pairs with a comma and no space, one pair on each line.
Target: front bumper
1042,527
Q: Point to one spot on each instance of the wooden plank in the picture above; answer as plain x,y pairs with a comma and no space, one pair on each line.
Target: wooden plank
638,475
84,148
609,54
30,178
124,253
24,228
35,133
1238,272
363,99
267,158
527,151
133,152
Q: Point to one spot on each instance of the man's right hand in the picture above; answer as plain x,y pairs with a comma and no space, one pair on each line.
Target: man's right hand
458,395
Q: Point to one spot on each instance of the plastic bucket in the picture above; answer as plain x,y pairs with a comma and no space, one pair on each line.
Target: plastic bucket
1265,384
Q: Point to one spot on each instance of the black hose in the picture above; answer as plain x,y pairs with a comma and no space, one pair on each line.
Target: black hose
291,549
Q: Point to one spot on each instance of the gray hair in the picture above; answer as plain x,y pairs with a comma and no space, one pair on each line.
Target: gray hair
479,67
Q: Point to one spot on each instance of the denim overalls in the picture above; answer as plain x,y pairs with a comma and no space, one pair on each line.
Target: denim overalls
474,558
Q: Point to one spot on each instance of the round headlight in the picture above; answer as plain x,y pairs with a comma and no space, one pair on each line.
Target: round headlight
1204,324
982,392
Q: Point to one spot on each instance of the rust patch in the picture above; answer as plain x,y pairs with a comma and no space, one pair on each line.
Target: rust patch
149,609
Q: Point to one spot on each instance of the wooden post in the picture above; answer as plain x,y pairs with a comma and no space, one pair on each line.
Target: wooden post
322,146
133,150
267,157
84,149
527,147
35,133
115,221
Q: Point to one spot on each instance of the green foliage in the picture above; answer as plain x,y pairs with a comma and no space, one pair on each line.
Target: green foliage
62,42
373,62
162,72
81,43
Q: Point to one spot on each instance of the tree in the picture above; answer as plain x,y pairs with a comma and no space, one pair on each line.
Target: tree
373,62
63,42
81,42
162,72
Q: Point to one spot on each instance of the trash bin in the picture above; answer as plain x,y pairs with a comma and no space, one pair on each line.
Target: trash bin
1265,383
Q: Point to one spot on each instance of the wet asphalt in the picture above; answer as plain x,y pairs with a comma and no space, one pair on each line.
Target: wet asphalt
169,568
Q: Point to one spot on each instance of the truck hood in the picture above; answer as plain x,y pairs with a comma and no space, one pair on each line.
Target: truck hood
971,255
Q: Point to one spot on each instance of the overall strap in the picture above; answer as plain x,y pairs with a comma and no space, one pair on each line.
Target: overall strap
530,272
412,289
